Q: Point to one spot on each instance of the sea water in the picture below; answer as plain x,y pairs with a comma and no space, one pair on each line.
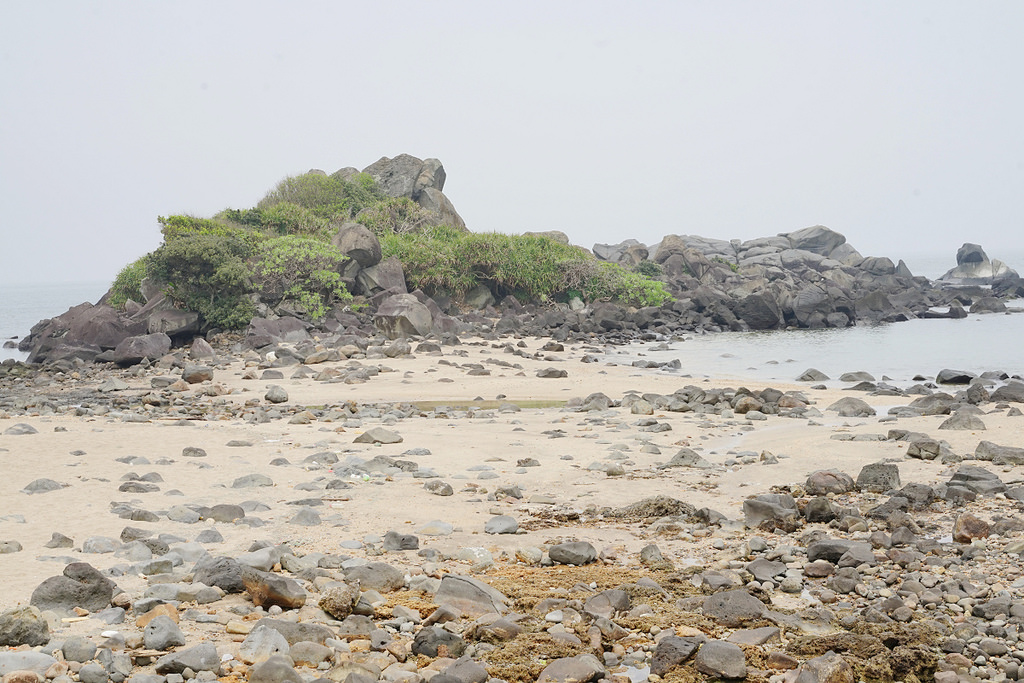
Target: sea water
899,351
23,305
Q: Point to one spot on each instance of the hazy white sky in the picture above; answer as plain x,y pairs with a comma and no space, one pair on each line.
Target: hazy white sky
900,125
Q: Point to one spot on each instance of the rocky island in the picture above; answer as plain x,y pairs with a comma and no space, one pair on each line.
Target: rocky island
236,473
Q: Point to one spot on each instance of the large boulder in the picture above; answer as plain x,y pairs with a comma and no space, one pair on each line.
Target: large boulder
173,323
817,239
387,275
760,311
436,202
81,585
143,347
357,242
421,180
402,315
81,326
264,332
973,267
401,176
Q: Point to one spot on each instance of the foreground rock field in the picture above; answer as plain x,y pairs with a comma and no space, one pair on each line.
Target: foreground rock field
498,509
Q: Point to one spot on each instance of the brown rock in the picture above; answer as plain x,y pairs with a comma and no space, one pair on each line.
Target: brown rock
22,676
967,527
268,589
781,661
338,601
159,610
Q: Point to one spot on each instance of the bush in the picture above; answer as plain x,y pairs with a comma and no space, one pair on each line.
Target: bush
612,281
303,270
529,266
395,215
286,218
207,273
326,196
128,283
648,269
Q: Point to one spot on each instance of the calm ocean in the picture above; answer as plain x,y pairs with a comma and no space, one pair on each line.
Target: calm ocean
976,343
22,306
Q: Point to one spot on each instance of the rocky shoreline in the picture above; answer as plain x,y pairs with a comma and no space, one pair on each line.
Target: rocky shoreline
516,509
808,278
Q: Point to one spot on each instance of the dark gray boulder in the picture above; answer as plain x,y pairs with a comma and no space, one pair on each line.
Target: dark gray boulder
999,455
575,553
770,508
263,332
134,350
402,315
733,608
357,242
81,327
977,479
671,651
429,640
850,406
81,585
1011,392
760,311
201,657
223,572
386,276
719,659
948,376
964,421
878,477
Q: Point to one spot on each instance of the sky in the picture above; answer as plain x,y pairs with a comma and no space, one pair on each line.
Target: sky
900,125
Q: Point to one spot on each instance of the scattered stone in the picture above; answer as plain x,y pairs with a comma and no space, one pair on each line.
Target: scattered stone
378,435
276,394
575,553
23,626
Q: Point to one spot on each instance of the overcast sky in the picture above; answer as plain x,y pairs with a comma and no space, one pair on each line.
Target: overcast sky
900,125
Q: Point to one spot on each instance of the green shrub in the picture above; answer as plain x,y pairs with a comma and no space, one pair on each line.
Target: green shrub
207,273
303,270
442,259
613,282
179,226
395,215
648,269
128,283
286,218
325,195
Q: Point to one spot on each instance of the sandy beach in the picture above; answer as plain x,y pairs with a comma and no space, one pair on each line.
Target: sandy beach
508,431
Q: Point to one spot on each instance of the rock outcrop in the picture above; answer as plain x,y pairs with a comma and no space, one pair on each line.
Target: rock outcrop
973,267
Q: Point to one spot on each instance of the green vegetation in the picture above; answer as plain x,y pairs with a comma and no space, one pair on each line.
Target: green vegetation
279,251
734,267
209,274
128,283
327,196
443,259
303,270
395,215
648,269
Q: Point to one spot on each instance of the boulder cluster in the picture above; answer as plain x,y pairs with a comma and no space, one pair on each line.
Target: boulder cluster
809,278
